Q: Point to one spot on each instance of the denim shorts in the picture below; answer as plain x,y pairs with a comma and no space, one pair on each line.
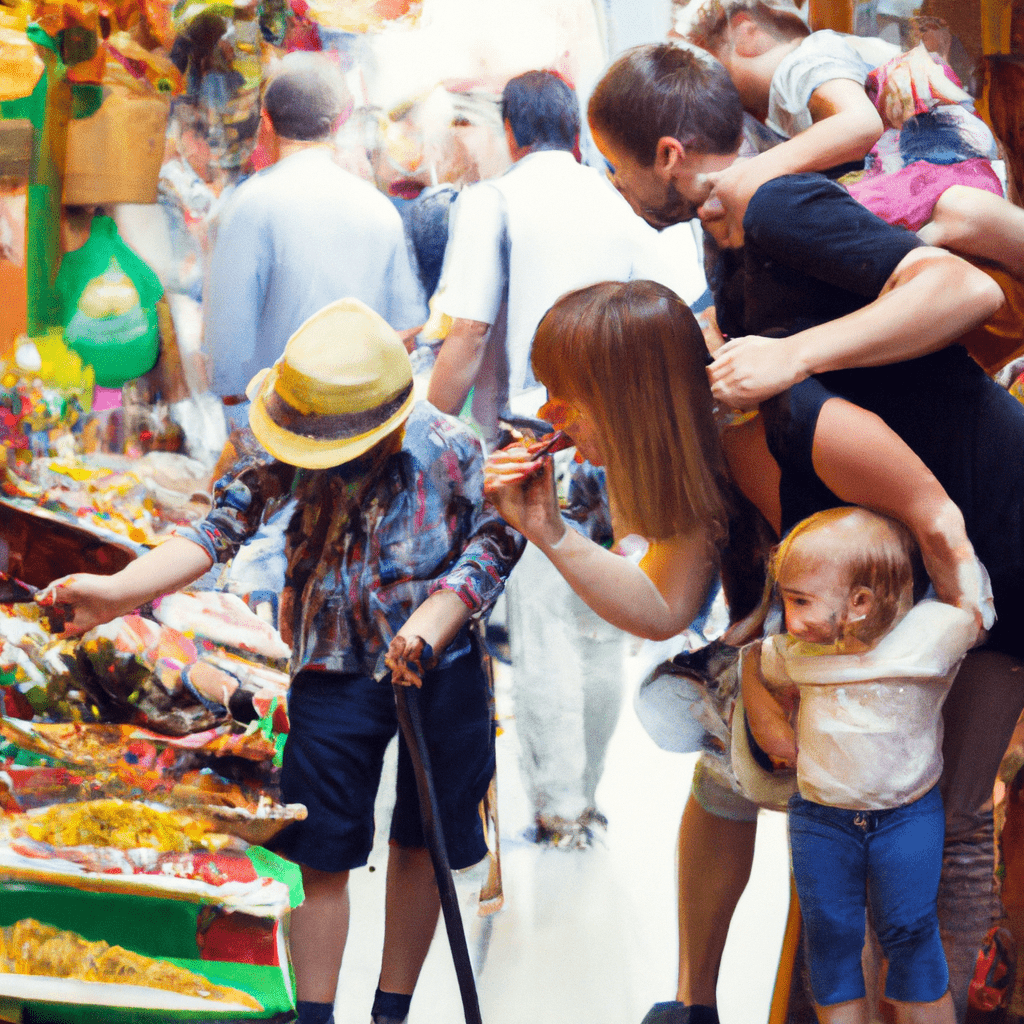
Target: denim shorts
340,726
845,861
711,791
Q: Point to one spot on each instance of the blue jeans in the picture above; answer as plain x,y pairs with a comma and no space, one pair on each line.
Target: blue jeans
844,861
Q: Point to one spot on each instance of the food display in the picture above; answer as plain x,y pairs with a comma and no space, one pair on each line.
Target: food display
30,947
136,671
139,768
122,824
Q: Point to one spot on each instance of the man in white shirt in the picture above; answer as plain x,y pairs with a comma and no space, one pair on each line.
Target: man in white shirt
547,226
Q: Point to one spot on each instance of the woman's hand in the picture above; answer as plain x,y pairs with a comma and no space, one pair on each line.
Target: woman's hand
82,601
522,489
750,370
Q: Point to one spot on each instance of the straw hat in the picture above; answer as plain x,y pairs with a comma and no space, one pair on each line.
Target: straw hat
343,383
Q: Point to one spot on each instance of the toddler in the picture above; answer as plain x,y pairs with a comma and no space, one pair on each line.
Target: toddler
810,89
866,825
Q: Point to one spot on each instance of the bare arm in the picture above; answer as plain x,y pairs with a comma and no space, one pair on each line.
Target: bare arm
865,463
458,363
656,599
435,623
89,600
753,468
846,126
769,723
930,300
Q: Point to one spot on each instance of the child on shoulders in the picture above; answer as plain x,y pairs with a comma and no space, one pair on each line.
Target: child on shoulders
809,87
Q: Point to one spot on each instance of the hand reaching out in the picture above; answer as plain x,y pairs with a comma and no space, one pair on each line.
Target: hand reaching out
81,601
522,489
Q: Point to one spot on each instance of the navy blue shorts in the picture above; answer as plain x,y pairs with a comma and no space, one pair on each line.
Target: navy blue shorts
340,727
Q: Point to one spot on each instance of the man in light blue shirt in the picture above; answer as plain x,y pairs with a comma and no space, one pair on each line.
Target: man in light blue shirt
300,234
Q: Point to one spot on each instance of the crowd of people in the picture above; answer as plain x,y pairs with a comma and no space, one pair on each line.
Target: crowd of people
876,679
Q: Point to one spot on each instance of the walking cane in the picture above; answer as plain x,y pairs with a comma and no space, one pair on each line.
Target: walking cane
410,720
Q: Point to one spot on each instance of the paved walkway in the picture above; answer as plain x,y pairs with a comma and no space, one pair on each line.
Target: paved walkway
584,937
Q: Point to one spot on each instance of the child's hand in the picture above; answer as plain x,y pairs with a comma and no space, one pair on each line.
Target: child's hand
776,737
731,191
408,658
81,601
912,83
723,211
769,714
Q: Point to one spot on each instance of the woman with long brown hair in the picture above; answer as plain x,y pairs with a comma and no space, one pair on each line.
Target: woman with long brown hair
624,365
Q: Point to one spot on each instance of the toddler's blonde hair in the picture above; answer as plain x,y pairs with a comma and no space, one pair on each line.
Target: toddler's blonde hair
879,554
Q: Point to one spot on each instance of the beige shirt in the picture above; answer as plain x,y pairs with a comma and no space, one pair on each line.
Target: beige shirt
869,731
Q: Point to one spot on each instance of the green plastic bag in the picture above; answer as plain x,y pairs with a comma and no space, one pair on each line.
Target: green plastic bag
107,300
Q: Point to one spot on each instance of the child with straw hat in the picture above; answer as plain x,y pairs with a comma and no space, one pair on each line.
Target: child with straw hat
390,553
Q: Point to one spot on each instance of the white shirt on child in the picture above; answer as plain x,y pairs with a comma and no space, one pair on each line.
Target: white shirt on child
869,731
820,58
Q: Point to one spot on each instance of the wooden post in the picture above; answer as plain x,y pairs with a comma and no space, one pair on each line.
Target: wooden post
834,14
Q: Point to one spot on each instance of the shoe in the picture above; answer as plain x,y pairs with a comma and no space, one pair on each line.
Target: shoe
994,971
592,817
680,1013
561,833
377,1019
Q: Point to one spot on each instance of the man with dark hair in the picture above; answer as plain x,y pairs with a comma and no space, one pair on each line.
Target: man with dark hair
300,234
817,285
684,95
517,243
541,111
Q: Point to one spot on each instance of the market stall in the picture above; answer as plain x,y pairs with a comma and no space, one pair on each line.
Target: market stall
138,782
139,763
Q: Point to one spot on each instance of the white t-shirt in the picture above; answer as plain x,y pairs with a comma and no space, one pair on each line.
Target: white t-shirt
820,58
869,730
518,243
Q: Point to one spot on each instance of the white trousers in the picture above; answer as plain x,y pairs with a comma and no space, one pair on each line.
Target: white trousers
567,687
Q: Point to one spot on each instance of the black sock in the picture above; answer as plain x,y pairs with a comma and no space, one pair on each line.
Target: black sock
391,1004
314,1013
679,1013
703,1014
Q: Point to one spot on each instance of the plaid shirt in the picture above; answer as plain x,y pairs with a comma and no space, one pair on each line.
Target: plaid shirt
371,540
